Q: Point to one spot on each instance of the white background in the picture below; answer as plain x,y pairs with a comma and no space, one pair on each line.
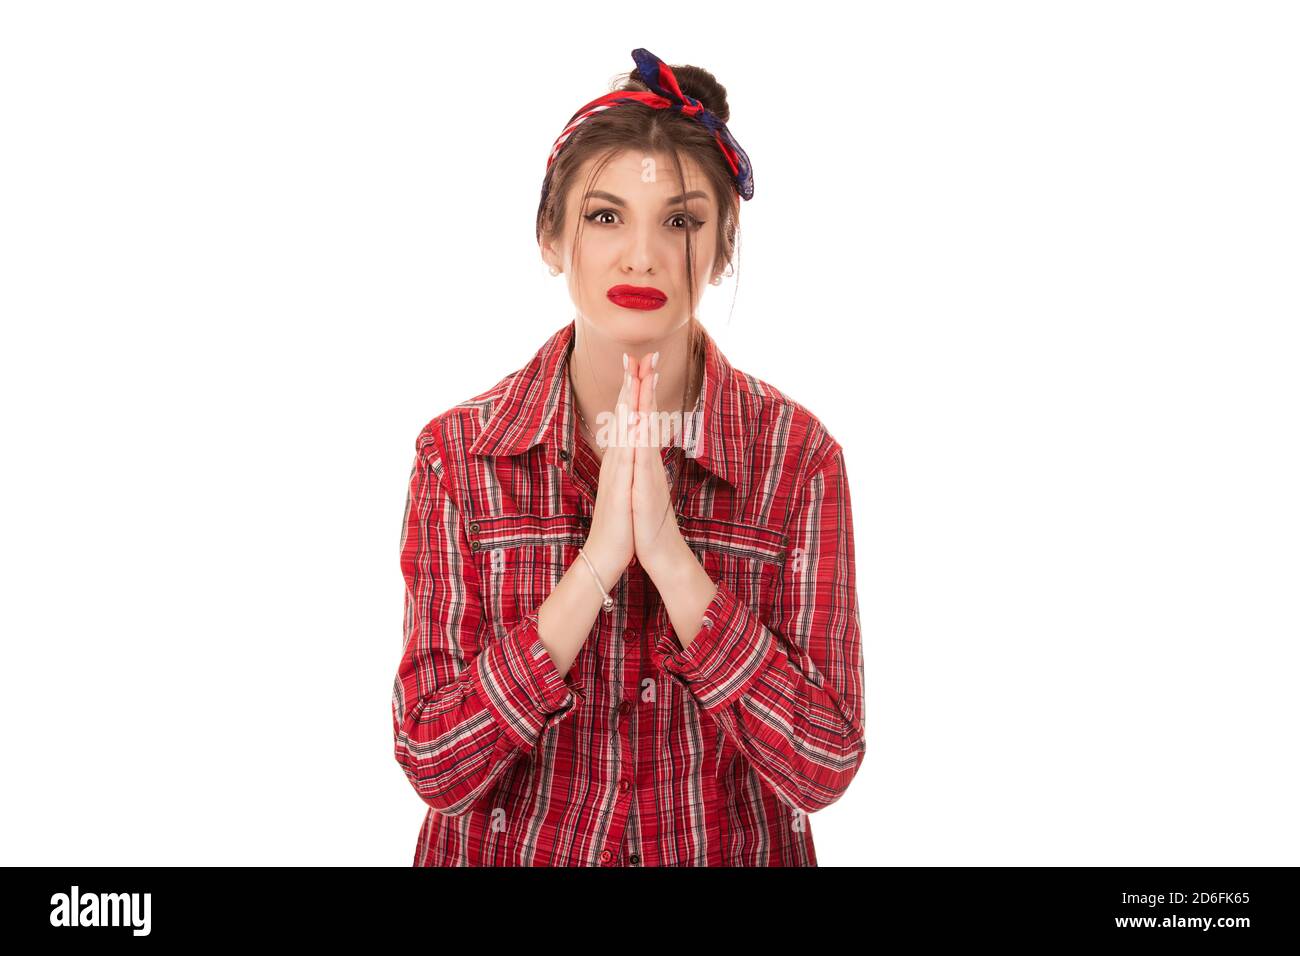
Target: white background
1033,264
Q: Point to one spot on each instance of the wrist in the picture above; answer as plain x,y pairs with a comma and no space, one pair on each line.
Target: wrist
674,566
608,569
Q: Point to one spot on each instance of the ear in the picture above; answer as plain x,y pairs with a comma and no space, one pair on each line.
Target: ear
550,255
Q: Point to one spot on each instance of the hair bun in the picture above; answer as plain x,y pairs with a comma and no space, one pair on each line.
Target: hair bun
694,81
704,86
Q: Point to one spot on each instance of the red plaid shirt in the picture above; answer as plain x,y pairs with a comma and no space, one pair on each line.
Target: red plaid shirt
643,754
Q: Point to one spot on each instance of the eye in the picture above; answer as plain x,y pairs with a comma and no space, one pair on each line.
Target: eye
692,222
591,216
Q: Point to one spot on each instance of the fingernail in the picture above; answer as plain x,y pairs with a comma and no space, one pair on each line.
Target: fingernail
655,383
625,361
654,360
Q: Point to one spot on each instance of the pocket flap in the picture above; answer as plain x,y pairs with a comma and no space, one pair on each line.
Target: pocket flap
514,531
734,538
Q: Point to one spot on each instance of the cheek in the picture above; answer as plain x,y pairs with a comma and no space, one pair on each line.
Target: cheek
706,248
594,250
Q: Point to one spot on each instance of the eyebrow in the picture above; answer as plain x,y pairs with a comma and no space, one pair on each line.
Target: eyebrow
617,201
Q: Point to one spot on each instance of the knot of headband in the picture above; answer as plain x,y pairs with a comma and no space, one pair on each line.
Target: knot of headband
666,95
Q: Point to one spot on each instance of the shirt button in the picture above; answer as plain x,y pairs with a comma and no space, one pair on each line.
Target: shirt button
473,527
625,707
634,859
474,546
624,785
606,856
564,454
708,622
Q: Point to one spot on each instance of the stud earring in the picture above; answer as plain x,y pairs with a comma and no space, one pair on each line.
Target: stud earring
716,280
554,271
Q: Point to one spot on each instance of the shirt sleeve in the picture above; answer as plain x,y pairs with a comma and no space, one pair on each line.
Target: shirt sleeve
464,707
788,692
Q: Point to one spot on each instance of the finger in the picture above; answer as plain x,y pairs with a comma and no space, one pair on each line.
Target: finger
634,388
643,400
654,380
627,394
627,407
654,393
645,396
630,370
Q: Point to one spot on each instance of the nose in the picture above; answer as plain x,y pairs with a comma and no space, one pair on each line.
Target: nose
639,256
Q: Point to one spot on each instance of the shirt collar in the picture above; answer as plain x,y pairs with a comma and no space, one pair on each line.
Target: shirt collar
536,407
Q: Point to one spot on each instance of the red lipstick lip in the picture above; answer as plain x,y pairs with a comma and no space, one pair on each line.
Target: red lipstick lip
636,297
645,291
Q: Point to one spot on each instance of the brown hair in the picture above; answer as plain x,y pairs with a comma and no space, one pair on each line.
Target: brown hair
635,126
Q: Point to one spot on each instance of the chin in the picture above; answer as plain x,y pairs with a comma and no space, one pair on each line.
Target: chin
635,325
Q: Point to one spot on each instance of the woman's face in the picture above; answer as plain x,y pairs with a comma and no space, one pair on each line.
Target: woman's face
627,274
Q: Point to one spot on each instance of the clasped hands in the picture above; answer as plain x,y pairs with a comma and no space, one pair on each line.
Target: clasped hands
633,513
657,539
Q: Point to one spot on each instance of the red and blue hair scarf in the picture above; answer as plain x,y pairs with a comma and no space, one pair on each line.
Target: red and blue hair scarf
666,95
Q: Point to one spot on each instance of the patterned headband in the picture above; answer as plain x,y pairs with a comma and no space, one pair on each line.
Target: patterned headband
666,95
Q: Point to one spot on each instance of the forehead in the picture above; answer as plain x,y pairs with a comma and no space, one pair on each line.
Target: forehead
644,177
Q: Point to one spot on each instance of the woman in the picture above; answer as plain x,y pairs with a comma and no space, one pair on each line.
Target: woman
631,624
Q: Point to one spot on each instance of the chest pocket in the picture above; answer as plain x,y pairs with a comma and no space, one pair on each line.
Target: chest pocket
746,557
520,558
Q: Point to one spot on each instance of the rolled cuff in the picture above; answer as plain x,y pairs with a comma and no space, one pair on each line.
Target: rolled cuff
522,687
729,652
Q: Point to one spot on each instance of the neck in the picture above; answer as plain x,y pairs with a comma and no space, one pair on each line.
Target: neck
596,371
